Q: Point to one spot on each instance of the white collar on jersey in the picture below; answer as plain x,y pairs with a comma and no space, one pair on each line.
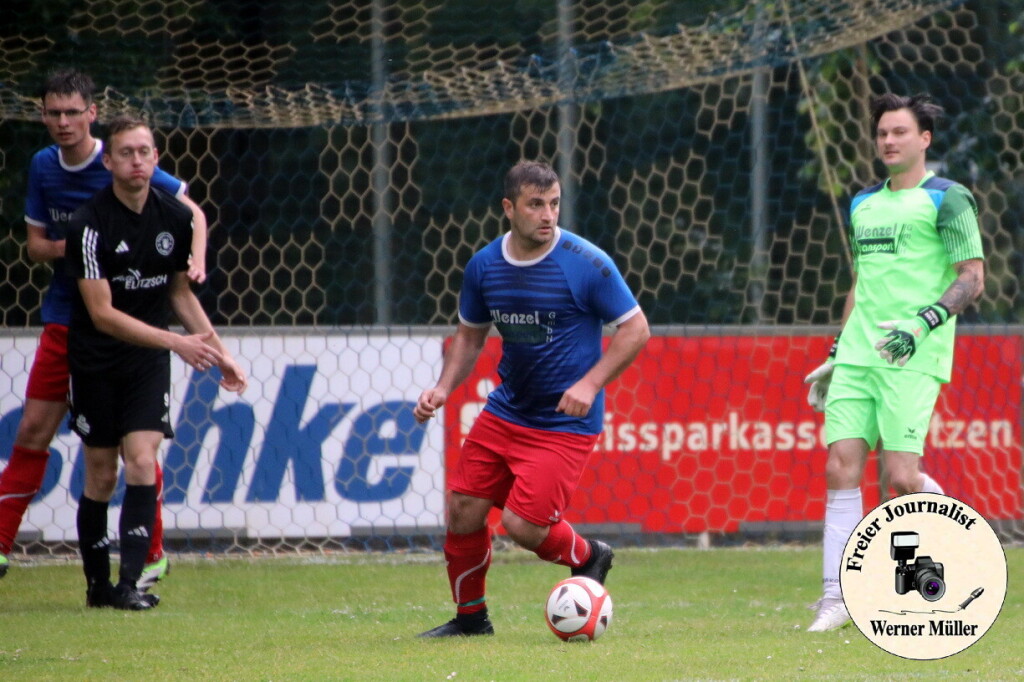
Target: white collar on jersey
97,149
533,261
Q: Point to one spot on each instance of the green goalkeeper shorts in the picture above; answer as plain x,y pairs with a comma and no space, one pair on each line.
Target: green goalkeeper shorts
895,405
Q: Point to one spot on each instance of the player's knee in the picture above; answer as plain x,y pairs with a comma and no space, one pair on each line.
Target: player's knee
140,470
524,533
34,433
513,525
905,482
466,514
841,474
100,482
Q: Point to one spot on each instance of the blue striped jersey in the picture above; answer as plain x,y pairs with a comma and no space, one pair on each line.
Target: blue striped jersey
549,312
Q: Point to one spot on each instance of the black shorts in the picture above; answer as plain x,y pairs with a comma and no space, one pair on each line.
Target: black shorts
106,406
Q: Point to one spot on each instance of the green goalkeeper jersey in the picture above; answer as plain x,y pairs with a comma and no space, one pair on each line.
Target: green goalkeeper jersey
905,245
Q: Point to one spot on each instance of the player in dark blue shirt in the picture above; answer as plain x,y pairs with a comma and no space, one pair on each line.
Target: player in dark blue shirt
549,293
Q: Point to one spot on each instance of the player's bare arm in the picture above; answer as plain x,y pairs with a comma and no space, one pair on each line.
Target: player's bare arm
40,249
190,313
966,288
197,261
627,341
109,320
458,363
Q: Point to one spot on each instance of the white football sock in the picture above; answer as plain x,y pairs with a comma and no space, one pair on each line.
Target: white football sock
843,512
930,486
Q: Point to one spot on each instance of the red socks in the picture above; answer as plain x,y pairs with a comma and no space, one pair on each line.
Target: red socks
156,543
469,557
19,483
563,546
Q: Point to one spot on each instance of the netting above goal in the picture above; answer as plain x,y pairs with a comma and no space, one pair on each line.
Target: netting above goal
245,64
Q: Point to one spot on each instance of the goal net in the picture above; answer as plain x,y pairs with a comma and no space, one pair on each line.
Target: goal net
349,156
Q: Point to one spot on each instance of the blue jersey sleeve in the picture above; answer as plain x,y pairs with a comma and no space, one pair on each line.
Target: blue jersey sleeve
609,296
168,183
35,202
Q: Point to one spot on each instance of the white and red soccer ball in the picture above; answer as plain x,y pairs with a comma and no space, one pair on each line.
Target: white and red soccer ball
578,609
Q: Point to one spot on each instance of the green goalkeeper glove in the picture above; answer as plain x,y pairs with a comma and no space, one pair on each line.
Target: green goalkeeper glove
821,378
906,336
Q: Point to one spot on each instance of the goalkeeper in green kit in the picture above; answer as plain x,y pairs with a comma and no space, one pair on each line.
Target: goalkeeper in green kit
917,263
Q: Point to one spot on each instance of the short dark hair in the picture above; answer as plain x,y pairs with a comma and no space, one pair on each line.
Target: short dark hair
119,124
528,173
68,82
923,108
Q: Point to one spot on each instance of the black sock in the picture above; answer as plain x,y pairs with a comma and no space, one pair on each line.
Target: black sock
471,619
136,528
92,540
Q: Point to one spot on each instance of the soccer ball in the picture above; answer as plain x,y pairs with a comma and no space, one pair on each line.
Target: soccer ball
578,609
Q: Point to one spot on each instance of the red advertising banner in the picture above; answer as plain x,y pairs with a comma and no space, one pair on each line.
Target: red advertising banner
710,433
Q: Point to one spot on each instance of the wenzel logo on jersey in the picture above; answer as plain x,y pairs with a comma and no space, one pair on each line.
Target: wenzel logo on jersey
881,239
515,318
887,231
524,327
59,216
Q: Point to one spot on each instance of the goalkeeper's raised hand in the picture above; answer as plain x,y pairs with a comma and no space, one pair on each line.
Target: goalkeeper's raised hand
820,379
906,336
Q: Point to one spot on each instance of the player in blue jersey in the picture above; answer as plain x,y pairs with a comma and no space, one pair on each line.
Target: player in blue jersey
549,293
918,262
62,177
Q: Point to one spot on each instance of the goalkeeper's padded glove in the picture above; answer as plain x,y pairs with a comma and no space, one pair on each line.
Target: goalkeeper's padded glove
821,378
906,336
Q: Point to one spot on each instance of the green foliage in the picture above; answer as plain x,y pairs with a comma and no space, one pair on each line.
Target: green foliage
679,614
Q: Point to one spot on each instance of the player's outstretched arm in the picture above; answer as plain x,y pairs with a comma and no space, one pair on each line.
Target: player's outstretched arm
458,363
200,228
109,320
192,316
627,341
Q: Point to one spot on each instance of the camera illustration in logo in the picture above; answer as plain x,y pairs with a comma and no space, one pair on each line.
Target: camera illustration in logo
924,575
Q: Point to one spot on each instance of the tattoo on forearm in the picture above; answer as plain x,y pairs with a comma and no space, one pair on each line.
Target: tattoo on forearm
962,292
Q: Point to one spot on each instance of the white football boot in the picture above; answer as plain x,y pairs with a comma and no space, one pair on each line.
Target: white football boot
832,615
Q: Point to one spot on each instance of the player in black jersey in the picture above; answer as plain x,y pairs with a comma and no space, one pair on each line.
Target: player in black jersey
128,250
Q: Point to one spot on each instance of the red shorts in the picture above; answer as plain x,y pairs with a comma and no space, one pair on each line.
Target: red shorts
48,378
532,472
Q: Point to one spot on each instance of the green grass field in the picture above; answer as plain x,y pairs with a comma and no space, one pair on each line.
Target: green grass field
679,615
